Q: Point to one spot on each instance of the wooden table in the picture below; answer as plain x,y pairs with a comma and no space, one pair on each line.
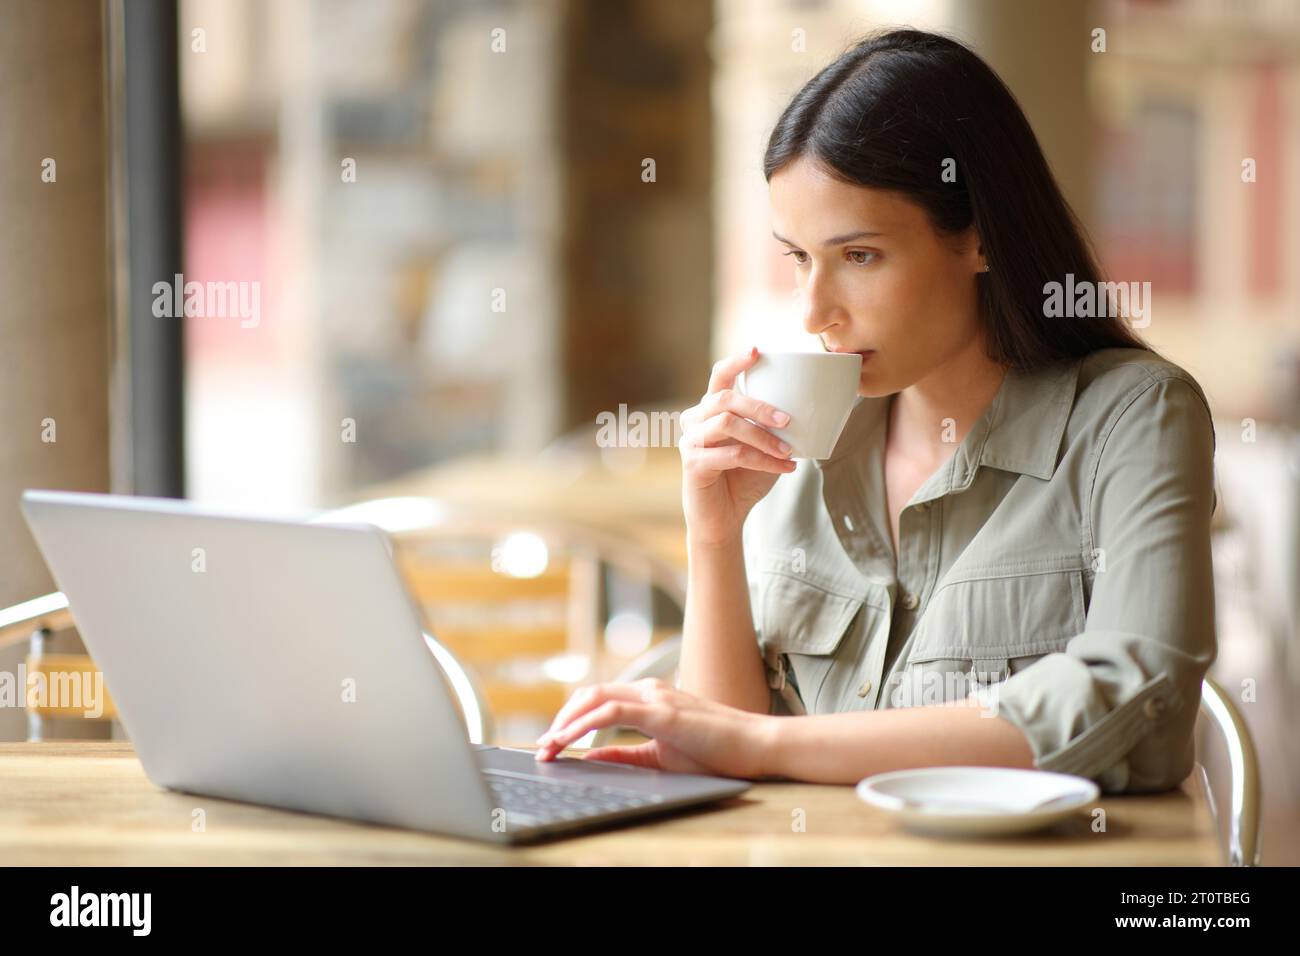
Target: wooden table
89,804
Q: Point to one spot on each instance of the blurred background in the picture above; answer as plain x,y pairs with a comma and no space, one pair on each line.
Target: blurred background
471,239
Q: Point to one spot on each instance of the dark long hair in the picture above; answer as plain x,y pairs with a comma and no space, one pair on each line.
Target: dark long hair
888,113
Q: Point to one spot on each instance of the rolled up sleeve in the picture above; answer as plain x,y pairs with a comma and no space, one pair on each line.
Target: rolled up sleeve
1119,704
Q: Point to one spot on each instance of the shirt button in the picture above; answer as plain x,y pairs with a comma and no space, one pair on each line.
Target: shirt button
865,689
1154,707
910,601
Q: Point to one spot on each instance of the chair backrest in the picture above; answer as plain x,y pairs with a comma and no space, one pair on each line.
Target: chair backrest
1244,818
503,626
521,603
61,686
67,687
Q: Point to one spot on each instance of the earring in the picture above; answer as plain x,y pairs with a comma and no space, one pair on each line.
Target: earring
986,268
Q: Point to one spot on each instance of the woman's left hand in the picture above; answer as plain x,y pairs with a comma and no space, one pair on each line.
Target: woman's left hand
690,734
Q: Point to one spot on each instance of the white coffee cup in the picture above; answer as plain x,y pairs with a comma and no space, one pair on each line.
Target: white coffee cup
816,389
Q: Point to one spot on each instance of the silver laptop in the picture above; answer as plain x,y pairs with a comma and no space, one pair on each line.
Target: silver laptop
282,662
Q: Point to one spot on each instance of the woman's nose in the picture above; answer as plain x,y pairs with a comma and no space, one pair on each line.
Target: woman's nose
814,308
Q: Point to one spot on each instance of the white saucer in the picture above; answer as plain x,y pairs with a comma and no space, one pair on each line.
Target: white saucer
977,801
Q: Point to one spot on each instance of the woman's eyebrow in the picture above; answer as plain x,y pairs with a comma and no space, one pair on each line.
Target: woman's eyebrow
836,240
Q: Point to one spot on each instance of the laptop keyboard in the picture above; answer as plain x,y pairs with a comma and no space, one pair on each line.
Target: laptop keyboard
533,802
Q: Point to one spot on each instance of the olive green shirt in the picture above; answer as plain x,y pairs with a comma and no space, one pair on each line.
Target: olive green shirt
1057,567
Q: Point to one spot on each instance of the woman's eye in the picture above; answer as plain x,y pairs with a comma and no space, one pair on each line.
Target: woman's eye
801,258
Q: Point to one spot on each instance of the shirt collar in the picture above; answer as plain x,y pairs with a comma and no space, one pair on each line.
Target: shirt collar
1020,431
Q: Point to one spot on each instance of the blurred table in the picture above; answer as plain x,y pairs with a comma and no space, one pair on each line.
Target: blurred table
634,492
90,804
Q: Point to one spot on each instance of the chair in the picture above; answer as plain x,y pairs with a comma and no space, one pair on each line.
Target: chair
1220,712
1217,710
62,676
521,601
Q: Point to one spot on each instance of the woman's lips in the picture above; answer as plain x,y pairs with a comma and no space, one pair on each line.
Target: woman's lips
865,353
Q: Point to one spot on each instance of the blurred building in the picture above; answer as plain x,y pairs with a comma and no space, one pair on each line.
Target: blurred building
426,193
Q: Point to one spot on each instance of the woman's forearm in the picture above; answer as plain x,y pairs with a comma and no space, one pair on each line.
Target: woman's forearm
720,659
844,748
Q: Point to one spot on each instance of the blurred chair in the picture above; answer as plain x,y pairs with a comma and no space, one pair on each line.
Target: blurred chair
1218,709
63,676
521,602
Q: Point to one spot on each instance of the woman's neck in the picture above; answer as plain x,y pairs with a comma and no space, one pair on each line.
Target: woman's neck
928,420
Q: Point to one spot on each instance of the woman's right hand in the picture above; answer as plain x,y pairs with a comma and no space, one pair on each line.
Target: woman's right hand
728,462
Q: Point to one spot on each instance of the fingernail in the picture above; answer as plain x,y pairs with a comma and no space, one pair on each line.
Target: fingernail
753,350
780,417
784,446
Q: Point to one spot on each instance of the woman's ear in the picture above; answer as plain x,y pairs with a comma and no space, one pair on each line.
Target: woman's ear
975,253
966,245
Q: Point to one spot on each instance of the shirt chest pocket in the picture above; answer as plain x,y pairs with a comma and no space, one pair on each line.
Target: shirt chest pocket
982,628
814,635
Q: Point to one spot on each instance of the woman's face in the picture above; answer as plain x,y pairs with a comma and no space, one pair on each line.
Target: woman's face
872,274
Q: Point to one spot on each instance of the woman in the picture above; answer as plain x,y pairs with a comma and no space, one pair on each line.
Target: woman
1006,559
